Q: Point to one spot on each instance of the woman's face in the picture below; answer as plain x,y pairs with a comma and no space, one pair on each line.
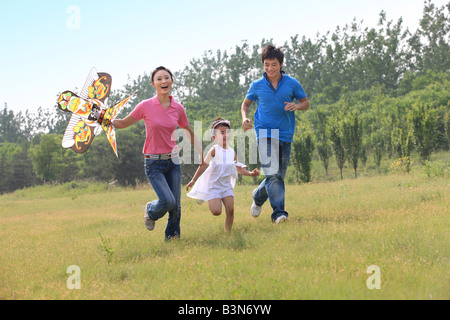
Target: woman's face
162,81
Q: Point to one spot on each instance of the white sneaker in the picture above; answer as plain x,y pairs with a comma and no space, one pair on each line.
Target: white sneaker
281,219
255,210
149,223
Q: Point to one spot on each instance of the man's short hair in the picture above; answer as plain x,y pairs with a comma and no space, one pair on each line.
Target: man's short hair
271,52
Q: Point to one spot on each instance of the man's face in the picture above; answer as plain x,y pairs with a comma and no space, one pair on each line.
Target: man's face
272,67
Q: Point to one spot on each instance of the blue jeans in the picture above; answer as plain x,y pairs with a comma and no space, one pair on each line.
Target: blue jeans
274,155
165,178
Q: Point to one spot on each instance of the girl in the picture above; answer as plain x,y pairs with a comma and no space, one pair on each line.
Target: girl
162,114
216,184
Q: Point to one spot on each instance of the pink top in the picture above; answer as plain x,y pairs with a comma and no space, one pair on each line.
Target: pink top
160,124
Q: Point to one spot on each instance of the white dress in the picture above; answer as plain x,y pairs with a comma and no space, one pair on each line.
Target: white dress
219,179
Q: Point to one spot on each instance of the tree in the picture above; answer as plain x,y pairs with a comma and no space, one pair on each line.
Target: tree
352,139
9,126
378,146
303,147
434,29
335,132
324,149
47,157
424,121
8,151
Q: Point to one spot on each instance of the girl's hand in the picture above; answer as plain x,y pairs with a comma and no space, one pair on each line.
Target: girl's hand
254,173
190,185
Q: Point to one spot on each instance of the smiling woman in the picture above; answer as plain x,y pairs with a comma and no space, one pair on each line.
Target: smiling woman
162,115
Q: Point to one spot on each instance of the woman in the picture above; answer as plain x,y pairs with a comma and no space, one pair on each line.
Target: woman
162,115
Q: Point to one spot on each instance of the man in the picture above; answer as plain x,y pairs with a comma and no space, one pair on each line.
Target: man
278,96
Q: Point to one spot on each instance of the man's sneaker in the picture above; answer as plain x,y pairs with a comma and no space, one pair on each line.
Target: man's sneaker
255,210
281,219
149,223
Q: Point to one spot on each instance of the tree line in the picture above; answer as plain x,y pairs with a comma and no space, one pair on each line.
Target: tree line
375,91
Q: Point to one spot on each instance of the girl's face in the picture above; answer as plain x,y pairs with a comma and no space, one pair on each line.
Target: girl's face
222,135
162,81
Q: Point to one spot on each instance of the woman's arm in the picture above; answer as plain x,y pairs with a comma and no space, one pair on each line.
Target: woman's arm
194,141
123,123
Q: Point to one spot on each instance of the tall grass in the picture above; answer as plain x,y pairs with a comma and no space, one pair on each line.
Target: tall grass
336,230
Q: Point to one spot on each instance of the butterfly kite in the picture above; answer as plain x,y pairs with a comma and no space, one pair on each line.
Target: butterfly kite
90,114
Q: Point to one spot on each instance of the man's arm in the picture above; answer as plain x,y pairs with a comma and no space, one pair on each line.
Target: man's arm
246,122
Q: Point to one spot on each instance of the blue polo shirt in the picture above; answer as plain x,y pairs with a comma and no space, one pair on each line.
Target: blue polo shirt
270,113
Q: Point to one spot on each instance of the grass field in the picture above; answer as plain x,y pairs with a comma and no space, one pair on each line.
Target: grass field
336,230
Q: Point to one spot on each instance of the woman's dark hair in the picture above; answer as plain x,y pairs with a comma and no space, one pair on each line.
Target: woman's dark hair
159,69
271,52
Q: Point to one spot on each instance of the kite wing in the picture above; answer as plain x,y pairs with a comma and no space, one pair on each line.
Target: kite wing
110,115
93,95
70,102
97,86
79,134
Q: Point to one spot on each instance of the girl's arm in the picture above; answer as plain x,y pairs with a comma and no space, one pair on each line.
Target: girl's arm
245,172
201,168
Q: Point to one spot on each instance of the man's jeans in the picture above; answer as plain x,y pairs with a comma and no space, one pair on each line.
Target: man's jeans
274,156
165,178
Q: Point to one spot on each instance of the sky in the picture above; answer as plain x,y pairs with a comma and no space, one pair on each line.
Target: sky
49,46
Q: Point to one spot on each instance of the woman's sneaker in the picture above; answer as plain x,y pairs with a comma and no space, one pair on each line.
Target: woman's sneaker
149,223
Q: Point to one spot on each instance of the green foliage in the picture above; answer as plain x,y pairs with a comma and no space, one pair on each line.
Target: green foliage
303,147
336,134
424,120
352,129
323,143
435,169
47,157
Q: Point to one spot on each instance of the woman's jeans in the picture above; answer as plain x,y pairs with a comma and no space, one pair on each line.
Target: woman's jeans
274,155
165,178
